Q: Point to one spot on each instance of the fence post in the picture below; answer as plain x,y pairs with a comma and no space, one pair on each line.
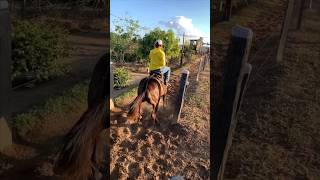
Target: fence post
302,2
181,93
235,76
284,30
111,86
182,51
310,4
204,62
227,13
199,69
5,74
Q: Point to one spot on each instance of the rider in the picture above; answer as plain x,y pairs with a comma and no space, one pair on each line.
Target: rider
158,61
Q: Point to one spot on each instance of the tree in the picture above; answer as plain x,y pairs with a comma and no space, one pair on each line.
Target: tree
173,49
170,43
124,39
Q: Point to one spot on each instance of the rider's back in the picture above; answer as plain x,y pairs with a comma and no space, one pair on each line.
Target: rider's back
157,59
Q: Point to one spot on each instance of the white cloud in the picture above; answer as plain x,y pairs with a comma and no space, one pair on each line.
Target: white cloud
182,25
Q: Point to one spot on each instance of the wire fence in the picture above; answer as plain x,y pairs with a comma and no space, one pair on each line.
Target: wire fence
268,55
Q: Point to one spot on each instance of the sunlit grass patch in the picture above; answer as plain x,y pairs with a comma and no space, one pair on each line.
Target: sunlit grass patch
123,98
57,108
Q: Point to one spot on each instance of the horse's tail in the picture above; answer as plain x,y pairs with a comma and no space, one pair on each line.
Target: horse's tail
135,105
78,156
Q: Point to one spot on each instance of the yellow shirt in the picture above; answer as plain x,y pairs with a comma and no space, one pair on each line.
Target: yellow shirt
157,59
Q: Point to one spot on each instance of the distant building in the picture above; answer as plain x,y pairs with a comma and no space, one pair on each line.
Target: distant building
197,44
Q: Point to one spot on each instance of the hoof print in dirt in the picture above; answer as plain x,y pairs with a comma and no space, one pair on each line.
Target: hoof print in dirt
178,129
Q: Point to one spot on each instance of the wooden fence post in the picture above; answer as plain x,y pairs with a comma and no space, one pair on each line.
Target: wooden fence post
204,62
23,9
180,98
111,86
284,30
182,51
227,13
199,69
5,74
235,76
302,3
310,4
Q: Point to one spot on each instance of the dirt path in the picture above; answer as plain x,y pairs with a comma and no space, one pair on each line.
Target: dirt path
133,82
87,49
277,136
141,151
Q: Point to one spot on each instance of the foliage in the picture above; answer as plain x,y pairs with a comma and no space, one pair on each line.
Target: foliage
121,77
128,46
170,43
37,48
124,39
173,49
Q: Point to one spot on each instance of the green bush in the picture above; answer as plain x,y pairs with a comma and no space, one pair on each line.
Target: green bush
121,77
37,48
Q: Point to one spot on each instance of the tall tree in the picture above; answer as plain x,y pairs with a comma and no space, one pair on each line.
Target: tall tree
171,43
124,39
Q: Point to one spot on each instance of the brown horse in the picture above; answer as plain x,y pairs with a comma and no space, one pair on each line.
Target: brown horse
151,89
84,154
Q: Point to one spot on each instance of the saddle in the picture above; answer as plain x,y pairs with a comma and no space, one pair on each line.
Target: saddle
157,74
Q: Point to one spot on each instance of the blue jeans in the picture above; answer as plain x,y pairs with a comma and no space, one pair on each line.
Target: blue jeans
166,73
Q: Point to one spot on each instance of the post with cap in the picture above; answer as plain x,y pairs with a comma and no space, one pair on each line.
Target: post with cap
182,89
285,29
5,79
236,73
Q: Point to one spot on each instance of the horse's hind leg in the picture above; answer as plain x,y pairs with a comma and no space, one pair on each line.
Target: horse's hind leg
154,112
140,116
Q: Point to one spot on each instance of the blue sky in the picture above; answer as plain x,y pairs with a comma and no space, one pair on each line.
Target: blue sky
189,16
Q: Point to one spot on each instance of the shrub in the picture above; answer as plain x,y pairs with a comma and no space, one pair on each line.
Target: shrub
121,77
37,48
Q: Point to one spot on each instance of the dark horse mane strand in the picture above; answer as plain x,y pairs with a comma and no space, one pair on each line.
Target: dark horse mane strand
84,150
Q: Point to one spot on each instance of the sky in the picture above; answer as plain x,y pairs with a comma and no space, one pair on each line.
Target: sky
191,17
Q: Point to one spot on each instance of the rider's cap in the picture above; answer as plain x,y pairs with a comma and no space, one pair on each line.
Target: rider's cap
158,42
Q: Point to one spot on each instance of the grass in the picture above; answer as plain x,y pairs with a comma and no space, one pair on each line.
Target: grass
125,96
71,100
